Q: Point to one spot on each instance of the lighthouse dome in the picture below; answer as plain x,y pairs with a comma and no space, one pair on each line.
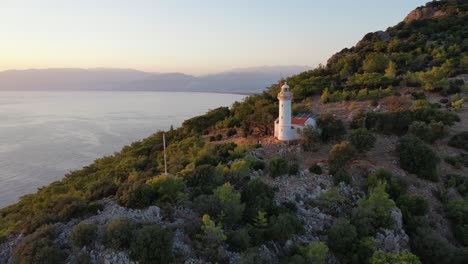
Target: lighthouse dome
285,86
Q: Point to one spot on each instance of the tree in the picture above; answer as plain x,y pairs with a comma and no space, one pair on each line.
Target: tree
325,97
362,139
375,62
152,244
436,78
339,155
404,257
212,233
231,206
211,238
391,71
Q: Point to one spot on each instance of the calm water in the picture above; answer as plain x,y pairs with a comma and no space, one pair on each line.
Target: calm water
43,135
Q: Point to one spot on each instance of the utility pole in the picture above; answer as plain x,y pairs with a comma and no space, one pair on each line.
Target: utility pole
165,159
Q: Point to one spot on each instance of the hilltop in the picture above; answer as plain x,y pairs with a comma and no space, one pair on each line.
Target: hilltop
381,179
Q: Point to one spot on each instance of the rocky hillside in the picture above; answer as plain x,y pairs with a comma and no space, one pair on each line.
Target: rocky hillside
381,179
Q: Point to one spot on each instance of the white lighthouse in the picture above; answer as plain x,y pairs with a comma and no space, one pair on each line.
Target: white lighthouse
285,129
288,127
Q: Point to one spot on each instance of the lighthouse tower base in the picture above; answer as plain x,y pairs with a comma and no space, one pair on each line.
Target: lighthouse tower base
284,133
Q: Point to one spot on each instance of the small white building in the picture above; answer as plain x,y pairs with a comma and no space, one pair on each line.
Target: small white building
288,127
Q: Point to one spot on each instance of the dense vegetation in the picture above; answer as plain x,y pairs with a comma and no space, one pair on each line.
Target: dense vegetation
238,213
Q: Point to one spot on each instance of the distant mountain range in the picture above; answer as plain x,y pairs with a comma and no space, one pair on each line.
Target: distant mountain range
244,80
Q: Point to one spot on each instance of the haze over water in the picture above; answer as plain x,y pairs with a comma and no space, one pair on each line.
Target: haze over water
44,135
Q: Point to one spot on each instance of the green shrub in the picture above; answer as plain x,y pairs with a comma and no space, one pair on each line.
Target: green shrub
316,169
283,226
239,169
83,234
458,182
206,204
293,169
277,167
341,175
458,103
398,122
374,212
433,249
458,161
167,189
258,165
203,180
219,137
339,156
239,240
405,257
427,132
255,256
229,200
211,238
257,196
394,187
314,253
459,140
457,210
119,233
134,194
361,139
414,205
231,132
418,158
330,127
309,138
341,237
414,210
152,244
39,248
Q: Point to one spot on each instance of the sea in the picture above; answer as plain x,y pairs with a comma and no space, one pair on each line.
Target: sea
45,134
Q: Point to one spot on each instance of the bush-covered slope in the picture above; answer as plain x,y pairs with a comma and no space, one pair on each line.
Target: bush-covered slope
273,203
424,50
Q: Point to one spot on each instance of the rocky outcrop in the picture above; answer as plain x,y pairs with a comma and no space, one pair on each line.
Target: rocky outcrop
6,249
425,12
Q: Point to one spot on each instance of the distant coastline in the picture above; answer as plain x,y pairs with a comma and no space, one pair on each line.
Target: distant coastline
240,81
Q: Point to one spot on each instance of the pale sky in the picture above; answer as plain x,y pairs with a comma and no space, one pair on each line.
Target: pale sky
191,36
